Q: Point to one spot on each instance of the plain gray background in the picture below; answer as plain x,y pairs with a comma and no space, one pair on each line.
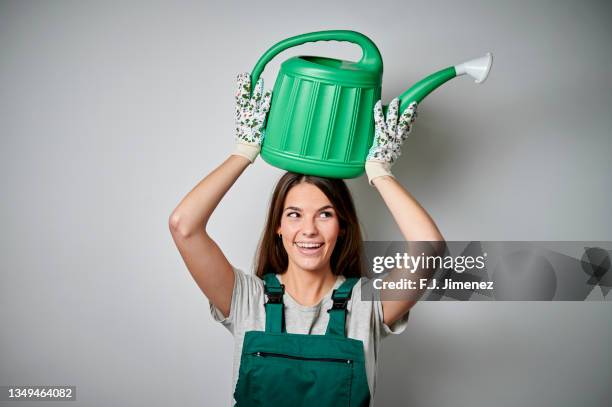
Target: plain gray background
110,112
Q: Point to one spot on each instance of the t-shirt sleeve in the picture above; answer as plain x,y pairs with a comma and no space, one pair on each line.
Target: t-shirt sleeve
384,330
247,289
396,328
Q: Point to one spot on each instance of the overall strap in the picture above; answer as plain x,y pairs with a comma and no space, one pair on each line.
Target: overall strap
274,290
337,313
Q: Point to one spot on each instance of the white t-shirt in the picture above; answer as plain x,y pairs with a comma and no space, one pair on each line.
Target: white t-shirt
364,319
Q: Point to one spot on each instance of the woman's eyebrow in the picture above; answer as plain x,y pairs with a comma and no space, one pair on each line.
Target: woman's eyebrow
292,208
295,208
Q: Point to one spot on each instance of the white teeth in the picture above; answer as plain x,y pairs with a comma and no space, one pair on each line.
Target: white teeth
308,245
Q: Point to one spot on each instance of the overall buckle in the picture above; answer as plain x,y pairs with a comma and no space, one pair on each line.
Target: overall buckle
339,303
274,296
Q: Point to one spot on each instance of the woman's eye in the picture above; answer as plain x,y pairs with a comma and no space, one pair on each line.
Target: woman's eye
293,215
326,214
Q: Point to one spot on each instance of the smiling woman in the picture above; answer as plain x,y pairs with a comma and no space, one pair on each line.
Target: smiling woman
307,217
304,333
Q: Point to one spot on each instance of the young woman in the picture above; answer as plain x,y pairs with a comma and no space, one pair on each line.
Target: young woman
311,246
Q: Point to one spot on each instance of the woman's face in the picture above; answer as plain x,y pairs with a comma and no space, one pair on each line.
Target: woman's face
309,228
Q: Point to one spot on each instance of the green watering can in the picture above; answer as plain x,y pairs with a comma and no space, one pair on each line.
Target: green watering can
321,116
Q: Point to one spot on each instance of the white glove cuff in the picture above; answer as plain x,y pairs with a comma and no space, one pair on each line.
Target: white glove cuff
375,169
248,151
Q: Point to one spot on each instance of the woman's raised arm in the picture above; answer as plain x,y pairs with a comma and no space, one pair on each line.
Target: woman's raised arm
204,259
413,220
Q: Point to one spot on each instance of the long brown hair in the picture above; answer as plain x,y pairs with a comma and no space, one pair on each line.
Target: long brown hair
346,258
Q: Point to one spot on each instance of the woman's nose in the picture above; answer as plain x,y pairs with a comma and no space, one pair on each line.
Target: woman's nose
309,228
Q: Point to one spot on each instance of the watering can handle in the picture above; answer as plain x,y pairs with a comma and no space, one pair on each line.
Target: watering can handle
370,58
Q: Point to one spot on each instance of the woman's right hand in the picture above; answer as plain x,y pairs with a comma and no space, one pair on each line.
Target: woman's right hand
251,112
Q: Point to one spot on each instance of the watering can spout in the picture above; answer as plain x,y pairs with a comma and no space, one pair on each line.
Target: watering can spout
477,68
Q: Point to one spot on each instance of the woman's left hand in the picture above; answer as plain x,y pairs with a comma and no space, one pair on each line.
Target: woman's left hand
388,138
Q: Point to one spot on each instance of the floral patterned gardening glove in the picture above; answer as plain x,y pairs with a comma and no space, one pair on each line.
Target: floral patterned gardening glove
388,138
251,112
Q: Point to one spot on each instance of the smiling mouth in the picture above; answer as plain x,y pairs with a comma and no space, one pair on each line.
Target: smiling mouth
303,245
309,249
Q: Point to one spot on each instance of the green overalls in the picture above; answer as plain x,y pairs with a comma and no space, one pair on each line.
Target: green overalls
283,369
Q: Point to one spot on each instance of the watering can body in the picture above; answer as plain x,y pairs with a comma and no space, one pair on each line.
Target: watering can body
320,122
321,116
